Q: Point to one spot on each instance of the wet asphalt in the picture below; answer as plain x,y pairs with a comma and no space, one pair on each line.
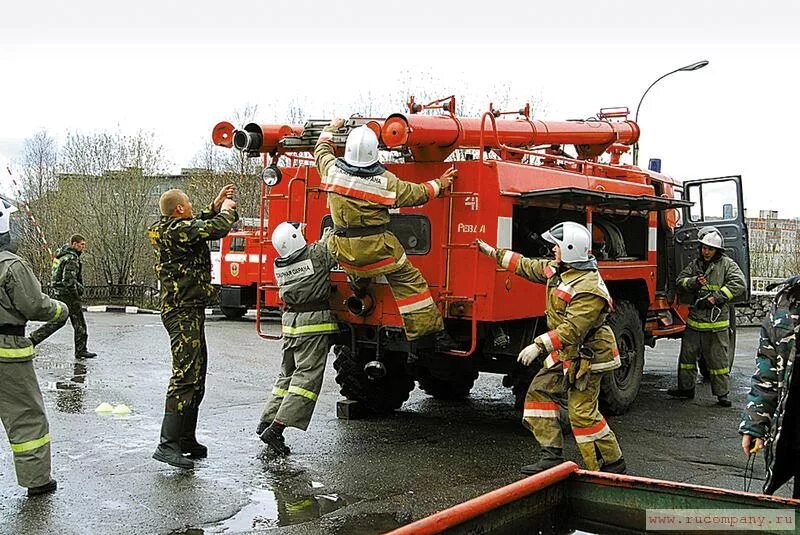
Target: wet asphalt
342,477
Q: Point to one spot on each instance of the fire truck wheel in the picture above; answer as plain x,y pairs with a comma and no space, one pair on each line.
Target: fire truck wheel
233,313
620,387
731,347
454,386
379,396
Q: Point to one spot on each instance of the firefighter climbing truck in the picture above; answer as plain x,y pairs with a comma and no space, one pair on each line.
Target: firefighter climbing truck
515,180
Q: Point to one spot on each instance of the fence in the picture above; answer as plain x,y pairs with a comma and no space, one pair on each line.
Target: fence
140,295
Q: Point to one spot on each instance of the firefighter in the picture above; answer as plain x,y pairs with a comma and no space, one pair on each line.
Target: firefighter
771,418
578,349
711,281
360,193
21,405
302,273
183,268
67,280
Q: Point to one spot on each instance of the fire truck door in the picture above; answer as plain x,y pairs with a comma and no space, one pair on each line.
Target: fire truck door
716,202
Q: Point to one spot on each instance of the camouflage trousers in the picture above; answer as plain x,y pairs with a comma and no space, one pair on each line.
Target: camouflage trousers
77,321
23,415
187,386
414,301
299,381
591,431
713,347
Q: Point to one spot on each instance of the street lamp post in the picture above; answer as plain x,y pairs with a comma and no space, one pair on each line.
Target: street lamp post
687,68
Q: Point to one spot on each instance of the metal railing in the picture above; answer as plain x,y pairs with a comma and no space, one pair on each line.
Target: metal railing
140,295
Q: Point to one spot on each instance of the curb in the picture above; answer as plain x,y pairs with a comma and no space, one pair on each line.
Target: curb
120,308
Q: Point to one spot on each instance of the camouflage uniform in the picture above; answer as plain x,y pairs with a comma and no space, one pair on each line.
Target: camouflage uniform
67,281
771,413
307,324
706,334
359,200
21,406
578,303
183,268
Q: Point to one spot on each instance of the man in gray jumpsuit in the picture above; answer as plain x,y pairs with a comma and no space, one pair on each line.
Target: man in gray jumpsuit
21,405
303,276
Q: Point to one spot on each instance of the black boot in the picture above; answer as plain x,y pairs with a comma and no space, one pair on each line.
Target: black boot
85,355
723,401
169,450
262,425
681,393
189,445
47,488
444,342
274,439
548,458
617,467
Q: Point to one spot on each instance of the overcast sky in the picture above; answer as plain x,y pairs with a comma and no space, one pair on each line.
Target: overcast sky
177,68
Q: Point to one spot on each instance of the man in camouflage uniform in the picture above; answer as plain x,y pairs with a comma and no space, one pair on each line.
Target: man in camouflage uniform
711,281
360,193
772,413
21,406
67,280
183,267
578,349
302,273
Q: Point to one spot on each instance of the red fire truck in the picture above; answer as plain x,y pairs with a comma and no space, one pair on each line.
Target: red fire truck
515,180
235,268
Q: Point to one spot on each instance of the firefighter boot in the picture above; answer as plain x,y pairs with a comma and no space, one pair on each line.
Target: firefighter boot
169,450
681,393
444,342
189,444
617,467
262,425
549,458
47,488
273,437
723,401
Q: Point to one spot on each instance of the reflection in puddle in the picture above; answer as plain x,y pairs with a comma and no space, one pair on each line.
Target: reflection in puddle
70,393
292,498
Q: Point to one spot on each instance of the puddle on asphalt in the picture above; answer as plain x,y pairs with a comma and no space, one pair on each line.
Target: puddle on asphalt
291,499
367,524
70,391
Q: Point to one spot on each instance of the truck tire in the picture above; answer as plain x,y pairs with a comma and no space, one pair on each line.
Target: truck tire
380,396
454,387
619,388
233,313
731,347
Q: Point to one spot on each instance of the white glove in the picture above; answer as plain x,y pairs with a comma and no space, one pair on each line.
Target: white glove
486,249
529,354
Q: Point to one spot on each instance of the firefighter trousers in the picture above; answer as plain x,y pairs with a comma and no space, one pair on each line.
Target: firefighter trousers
413,297
187,338
591,431
713,347
299,381
24,418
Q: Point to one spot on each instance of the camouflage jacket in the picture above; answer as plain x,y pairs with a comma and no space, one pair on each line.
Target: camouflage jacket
362,198
578,304
764,413
183,261
67,272
304,280
725,281
22,300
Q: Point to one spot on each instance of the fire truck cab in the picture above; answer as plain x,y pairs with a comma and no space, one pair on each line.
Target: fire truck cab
235,267
514,182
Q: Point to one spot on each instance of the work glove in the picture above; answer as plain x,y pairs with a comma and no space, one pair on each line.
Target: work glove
486,249
703,304
529,354
578,373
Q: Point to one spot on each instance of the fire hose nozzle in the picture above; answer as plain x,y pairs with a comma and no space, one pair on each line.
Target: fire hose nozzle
375,370
360,306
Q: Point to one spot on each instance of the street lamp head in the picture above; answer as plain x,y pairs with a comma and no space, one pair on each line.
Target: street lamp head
695,66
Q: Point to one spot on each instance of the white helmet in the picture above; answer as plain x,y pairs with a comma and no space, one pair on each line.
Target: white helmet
711,236
288,238
6,209
361,149
573,239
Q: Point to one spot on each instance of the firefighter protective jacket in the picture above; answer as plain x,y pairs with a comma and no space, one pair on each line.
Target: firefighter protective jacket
768,402
725,282
578,304
304,281
183,261
22,300
360,198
